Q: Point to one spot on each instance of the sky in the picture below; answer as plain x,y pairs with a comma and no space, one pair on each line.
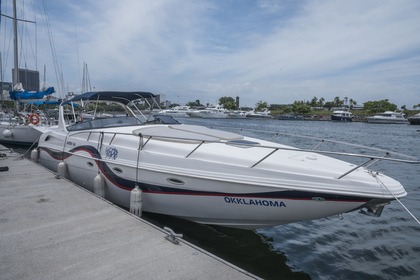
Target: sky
259,50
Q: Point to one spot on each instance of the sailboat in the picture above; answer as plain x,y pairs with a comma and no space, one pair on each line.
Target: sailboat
23,127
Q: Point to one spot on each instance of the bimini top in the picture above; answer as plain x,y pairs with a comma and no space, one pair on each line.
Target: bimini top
116,96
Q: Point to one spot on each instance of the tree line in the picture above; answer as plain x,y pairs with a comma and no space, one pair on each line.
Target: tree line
304,107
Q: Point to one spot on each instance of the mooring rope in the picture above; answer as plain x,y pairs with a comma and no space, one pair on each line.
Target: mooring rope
402,204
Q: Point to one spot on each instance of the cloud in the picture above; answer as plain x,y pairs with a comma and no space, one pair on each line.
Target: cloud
276,51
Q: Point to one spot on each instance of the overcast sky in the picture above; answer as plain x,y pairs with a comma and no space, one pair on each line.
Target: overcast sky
273,51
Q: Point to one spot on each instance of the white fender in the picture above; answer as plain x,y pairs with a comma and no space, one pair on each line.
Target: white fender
136,201
34,155
99,185
62,169
7,133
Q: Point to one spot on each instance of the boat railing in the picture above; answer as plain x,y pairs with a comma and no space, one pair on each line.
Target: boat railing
272,149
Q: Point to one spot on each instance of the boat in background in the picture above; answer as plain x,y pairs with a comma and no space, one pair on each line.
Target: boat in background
177,111
237,114
389,117
415,120
23,127
206,175
266,114
217,112
342,116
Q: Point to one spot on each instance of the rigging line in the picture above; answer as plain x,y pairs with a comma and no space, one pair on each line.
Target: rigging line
78,56
406,209
53,50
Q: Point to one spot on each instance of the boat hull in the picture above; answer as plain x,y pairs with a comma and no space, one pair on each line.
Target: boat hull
22,135
341,119
414,120
198,198
385,121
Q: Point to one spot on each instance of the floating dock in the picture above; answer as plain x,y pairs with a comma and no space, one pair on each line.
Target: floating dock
51,228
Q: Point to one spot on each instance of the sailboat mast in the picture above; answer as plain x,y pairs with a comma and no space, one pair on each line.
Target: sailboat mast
15,46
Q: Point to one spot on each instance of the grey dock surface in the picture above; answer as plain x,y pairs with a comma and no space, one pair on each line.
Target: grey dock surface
52,229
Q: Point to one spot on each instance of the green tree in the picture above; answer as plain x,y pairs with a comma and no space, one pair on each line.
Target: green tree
337,101
352,103
299,107
314,101
227,102
194,104
329,105
379,106
261,105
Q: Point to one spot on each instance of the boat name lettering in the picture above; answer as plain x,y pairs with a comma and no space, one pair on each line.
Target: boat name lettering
257,202
111,152
71,143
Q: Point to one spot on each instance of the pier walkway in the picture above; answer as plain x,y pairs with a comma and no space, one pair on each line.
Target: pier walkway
51,228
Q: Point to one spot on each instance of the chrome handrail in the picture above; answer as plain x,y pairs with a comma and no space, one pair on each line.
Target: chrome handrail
372,159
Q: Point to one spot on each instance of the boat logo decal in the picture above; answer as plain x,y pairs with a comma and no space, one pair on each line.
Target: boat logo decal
111,152
256,202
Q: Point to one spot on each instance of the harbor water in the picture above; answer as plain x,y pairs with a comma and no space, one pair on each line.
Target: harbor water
349,246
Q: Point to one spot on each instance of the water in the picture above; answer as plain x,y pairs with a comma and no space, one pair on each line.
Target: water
353,246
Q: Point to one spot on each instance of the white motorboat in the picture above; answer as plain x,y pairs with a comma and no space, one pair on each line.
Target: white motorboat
266,114
389,117
342,116
177,111
217,112
205,175
25,127
14,133
237,114
415,120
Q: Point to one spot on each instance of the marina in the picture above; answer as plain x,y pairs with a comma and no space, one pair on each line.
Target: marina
53,229
321,249
294,156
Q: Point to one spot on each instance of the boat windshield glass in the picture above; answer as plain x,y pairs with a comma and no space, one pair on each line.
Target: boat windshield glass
120,121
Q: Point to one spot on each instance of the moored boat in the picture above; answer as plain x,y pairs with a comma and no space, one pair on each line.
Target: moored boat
342,116
177,111
22,127
206,175
415,120
217,112
265,114
389,117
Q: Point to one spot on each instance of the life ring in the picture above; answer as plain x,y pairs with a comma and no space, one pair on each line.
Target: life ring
34,119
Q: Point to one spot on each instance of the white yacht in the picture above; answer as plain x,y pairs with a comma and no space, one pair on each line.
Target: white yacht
389,117
177,111
266,114
206,175
217,112
342,116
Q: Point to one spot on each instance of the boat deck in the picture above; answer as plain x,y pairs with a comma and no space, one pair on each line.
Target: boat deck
52,229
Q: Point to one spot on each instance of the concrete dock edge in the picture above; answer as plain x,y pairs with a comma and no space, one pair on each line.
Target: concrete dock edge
51,228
